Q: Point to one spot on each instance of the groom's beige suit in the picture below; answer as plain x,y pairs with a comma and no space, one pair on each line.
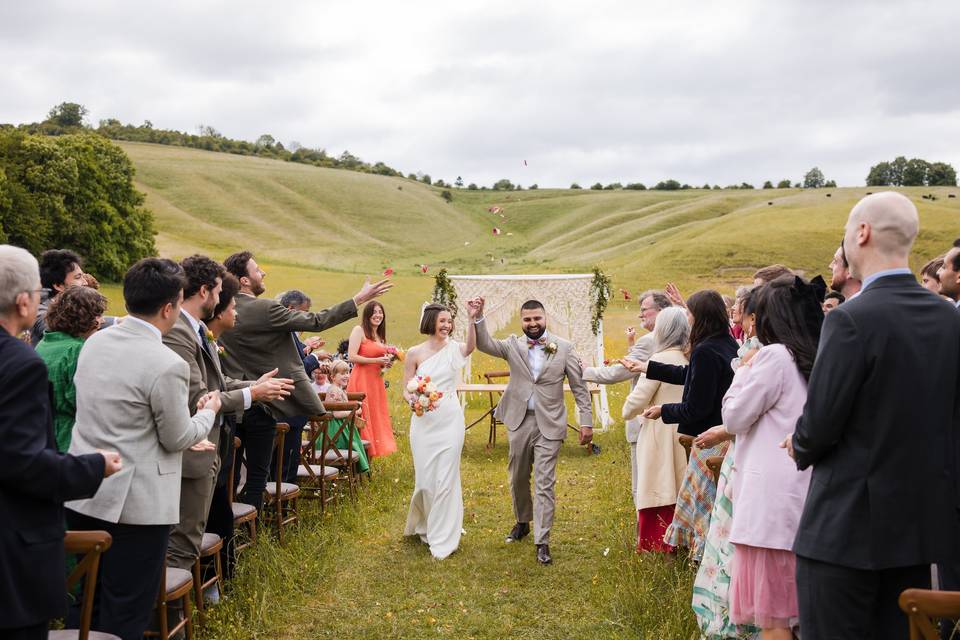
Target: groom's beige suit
533,409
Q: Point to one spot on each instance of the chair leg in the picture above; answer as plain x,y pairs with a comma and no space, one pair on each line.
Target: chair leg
218,568
188,615
197,590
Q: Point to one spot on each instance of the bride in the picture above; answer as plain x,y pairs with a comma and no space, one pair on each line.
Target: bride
436,437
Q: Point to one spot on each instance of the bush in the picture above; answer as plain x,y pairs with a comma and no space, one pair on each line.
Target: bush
783,184
667,185
503,185
768,185
472,186
636,186
533,187
596,186
73,192
575,186
446,195
613,186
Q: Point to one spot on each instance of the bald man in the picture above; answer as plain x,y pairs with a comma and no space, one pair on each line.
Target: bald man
880,430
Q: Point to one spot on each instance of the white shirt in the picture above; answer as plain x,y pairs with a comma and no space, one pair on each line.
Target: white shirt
197,325
152,328
536,357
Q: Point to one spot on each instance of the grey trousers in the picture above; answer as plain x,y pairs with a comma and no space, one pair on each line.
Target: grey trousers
530,451
186,536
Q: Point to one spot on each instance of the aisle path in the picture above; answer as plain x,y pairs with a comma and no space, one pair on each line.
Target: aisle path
380,585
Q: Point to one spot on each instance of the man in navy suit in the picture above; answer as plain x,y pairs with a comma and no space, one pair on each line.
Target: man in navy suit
35,479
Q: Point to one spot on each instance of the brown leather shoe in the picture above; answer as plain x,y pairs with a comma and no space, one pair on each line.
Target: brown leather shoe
543,554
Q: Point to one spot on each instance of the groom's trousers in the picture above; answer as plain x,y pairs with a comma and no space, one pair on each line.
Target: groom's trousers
530,451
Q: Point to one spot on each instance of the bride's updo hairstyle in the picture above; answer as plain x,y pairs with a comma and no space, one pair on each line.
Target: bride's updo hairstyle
428,319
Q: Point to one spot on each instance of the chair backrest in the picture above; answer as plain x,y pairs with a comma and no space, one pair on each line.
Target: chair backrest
687,443
713,464
924,606
492,376
90,544
347,425
233,466
282,428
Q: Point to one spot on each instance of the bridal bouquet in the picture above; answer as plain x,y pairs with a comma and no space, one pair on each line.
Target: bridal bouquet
427,396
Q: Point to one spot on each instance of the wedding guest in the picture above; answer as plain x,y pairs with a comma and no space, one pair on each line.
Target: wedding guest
761,408
736,313
651,303
768,274
337,392
261,342
132,394
930,275
831,301
60,269
704,381
841,280
949,275
368,354
35,478
321,377
220,517
869,530
190,339
73,316
659,460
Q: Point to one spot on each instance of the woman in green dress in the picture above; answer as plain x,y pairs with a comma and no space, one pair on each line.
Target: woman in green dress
73,316
339,379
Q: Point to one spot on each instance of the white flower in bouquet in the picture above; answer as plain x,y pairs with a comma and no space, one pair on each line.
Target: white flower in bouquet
414,385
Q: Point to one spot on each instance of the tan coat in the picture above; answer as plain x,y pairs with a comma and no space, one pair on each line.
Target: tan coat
661,461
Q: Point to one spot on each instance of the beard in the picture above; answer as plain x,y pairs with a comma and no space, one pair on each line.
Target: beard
258,289
535,333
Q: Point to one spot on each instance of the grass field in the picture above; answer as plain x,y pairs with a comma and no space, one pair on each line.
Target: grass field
350,574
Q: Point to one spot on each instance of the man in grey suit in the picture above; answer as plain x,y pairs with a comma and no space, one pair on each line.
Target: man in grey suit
189,339
132,396
651,304
534,412
262,340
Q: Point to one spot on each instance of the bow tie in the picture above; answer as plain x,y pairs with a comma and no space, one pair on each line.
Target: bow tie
532,343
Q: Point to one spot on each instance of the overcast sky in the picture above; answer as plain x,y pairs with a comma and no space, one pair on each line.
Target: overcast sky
627,91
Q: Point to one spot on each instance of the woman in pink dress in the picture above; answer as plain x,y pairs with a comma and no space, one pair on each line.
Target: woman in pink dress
761,409
368,354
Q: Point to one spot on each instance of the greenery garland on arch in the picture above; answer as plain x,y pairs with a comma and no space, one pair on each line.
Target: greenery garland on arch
444,293
600,293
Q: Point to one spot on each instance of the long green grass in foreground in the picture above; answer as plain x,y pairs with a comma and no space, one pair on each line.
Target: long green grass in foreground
351,574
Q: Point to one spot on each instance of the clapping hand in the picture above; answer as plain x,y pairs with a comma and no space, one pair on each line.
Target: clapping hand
370,291
312,344
111,462
204,445
633,366
788,445
653,412
674,294
269,388
210,401
631,335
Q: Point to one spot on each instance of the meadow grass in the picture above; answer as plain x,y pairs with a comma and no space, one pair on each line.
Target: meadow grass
350,573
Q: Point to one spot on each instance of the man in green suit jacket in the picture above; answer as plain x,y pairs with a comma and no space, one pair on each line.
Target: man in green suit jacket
262,341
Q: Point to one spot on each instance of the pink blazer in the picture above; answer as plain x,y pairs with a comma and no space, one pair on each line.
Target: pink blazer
761,408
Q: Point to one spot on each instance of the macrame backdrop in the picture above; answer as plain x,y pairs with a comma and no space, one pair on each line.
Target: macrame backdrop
566,299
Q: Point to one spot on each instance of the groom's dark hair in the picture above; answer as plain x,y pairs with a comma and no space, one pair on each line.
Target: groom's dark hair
531,304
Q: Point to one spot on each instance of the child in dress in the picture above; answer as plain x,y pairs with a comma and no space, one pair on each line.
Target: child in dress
337,392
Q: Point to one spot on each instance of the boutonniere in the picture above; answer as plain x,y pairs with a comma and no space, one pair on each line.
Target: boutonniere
212,339
550,348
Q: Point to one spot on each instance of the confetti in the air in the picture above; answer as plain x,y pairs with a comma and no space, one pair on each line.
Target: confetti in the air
424,268
495,209
496,231
626,294
388,272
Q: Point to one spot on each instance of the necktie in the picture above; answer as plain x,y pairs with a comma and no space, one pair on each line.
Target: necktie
204,340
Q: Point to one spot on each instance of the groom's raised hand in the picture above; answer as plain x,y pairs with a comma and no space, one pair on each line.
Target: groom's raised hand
475,308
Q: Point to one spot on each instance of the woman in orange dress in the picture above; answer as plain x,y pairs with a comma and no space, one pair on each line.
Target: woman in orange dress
368,353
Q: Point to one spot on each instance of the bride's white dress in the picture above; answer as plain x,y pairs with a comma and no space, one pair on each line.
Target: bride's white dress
436,440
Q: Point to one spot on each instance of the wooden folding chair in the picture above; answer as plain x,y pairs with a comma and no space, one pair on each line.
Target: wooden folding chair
923,607
687,443
207,562
280,498
313,477
713,464
360,396
244,515
493,377
175,584
90,544
343,459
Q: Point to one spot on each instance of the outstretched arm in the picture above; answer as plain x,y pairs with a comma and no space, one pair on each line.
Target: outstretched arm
581,394
485,343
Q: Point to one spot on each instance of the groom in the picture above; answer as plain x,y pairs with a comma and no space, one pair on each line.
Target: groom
533,409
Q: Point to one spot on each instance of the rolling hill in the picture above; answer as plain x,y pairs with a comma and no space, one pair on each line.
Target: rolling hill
334,220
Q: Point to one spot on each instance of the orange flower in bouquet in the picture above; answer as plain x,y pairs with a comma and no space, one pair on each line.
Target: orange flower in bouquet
425,394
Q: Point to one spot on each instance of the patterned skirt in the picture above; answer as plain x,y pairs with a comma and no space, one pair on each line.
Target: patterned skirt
691,518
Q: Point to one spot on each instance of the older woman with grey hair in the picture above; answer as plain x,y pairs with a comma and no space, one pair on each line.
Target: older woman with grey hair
661,461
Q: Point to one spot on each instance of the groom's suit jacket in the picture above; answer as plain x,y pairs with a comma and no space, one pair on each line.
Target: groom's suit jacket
551,411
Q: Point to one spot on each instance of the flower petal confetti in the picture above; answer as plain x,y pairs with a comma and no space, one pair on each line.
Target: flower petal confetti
496,231
387,272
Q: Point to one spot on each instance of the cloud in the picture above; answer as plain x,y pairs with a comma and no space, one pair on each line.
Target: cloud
613,91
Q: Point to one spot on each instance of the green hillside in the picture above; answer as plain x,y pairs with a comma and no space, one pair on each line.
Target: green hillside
338,220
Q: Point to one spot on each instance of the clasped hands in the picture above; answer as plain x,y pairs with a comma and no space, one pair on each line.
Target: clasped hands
475,307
